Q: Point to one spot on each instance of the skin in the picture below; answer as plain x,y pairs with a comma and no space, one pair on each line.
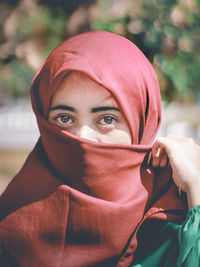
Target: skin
184,157
86,109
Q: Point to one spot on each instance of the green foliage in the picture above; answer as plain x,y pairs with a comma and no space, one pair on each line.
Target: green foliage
168,33
16,78
42,23
42,26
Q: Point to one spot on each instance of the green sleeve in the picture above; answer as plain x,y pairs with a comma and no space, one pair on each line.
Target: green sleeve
166,244
189,240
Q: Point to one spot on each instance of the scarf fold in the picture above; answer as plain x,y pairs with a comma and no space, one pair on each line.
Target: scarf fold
76,202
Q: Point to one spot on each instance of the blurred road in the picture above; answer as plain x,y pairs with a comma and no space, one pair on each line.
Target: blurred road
18,127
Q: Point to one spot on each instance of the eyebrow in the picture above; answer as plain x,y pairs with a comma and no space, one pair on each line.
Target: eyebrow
93,110
63,107
104,108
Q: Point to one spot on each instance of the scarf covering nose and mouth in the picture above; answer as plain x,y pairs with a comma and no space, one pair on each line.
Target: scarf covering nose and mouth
80,203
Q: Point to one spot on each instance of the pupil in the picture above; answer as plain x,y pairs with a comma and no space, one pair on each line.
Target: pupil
64,119
108,120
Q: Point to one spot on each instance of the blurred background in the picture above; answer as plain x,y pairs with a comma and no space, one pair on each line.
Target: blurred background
167,31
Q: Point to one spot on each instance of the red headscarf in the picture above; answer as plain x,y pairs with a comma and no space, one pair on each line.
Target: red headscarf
77,202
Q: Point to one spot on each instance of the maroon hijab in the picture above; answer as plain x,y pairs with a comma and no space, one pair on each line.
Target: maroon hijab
80,203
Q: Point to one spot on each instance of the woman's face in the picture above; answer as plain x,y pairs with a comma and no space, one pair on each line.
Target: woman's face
84,108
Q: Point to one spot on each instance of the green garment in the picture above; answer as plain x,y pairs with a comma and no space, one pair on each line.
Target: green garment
166,244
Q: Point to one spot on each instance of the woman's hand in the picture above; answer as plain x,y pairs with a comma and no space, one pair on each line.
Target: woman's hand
183,155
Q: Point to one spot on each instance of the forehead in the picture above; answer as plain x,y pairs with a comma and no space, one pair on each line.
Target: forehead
79,88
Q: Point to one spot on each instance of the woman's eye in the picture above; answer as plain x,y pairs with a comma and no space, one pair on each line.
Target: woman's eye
64,119
107,120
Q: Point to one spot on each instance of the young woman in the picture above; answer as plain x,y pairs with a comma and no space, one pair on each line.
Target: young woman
97,190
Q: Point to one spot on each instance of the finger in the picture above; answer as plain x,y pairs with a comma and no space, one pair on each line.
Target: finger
164,160
162,142
159,143
157,156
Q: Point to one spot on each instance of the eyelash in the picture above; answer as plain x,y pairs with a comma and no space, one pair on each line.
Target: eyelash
99,120
114,119
60,116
